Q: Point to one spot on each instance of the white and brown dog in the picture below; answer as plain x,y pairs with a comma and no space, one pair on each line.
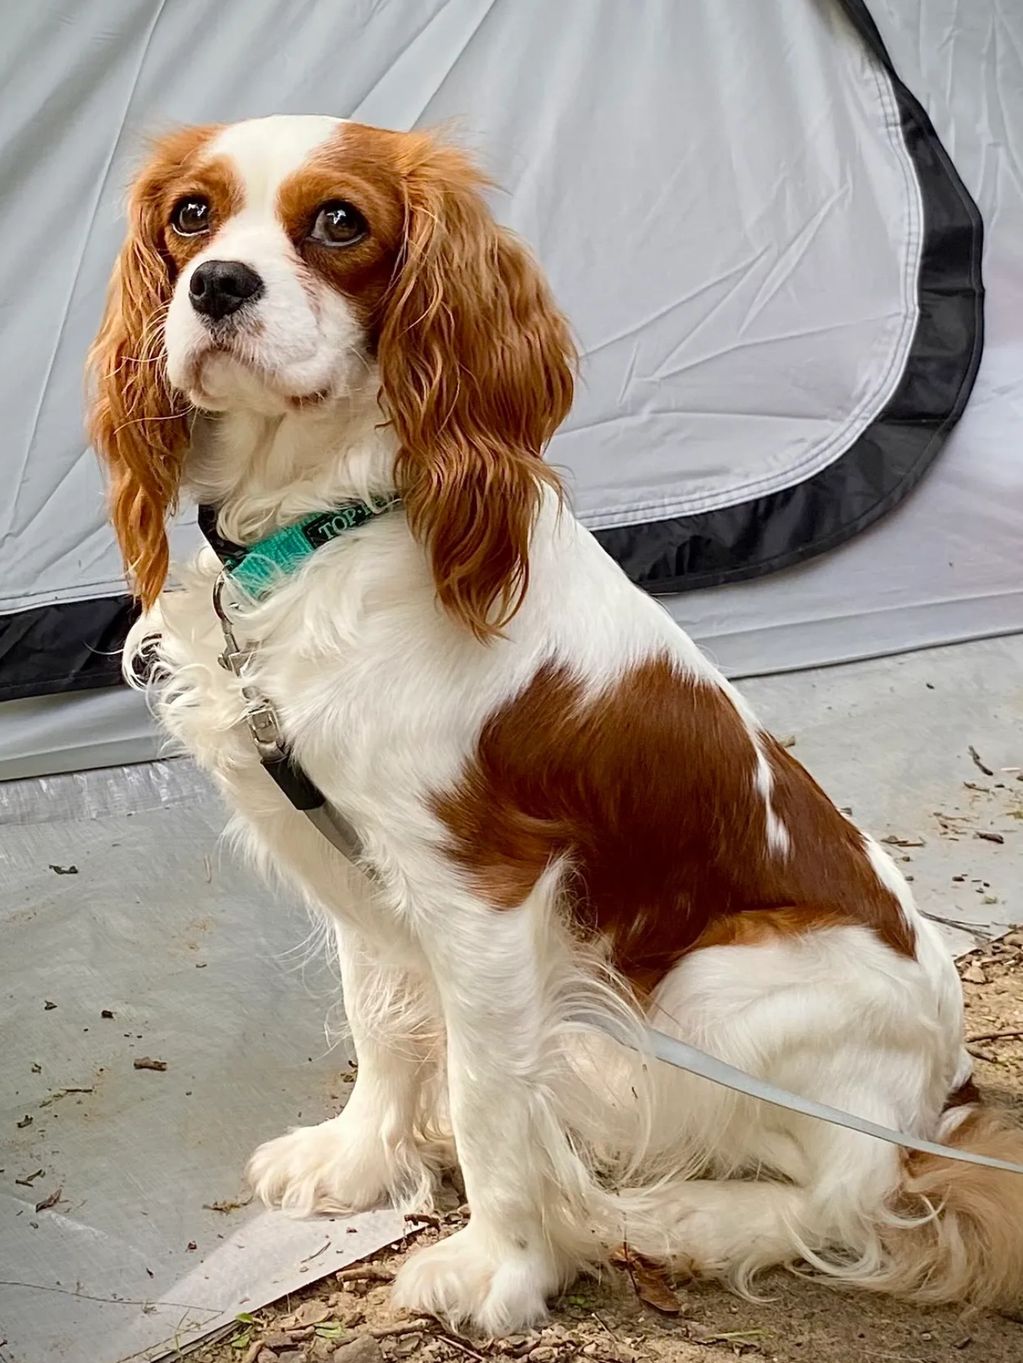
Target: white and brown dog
566,808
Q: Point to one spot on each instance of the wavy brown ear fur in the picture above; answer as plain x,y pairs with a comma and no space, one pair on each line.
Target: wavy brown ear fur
136,423
476,376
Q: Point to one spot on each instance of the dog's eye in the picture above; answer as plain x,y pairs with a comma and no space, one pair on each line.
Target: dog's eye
338,224
190,216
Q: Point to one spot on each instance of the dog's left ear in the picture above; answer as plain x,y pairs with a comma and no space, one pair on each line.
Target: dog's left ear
476,366
137,424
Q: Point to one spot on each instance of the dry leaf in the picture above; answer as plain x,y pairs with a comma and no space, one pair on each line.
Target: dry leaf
225,1205
309,1313
649,1279
50,1201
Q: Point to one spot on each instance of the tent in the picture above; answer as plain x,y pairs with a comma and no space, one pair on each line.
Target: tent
766,223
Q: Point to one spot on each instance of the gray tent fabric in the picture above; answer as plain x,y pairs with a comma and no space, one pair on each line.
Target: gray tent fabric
733,213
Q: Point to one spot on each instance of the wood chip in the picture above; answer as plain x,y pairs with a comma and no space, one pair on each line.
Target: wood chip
987,836
277,1339
649,1279
893,840
25,1121
144,1062
29,1179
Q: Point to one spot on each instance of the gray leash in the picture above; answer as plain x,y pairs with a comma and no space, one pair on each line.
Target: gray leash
694,1061
332,825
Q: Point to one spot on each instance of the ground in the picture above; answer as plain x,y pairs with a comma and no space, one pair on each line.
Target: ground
350,1321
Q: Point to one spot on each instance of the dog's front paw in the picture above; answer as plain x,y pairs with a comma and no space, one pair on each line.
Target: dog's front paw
337,1166
469,1278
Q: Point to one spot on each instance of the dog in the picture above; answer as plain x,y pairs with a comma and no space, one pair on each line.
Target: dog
569,814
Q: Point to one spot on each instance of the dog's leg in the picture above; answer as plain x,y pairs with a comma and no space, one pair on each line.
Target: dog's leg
372,1153
493,977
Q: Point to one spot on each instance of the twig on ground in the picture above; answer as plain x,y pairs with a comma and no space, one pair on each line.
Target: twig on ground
460,1346
981,766
958,923
316,1253
407,1327
995,1036
62,1093
603,1324
372,1273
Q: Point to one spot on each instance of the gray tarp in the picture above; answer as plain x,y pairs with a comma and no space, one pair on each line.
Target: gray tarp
138,1156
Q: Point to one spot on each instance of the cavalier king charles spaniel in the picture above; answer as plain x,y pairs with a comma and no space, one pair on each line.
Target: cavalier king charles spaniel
569,814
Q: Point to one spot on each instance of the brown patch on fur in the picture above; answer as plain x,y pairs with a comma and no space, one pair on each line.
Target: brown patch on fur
972,1251
756,927
138,426
647,791
359,165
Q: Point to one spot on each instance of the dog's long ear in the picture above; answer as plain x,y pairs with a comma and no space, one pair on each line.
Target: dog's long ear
476,367
136,423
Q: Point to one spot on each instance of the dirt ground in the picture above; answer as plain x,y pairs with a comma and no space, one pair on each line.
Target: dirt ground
350,1321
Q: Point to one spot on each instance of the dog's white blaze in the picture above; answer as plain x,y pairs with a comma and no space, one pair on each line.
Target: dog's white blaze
264,151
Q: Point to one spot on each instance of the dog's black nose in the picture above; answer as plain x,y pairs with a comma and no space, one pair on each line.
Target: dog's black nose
219,287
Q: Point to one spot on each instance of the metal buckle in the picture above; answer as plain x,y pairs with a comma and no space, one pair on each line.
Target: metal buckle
234,657
261,717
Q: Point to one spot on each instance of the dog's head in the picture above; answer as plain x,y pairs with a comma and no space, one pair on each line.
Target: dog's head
289,262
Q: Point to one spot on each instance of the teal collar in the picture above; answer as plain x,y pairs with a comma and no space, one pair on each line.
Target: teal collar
257,567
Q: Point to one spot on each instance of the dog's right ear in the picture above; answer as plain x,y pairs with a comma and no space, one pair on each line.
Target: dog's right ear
137,424
476,369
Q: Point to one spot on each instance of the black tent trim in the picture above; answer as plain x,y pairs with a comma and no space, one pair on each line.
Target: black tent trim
67,646
753,538
75,646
